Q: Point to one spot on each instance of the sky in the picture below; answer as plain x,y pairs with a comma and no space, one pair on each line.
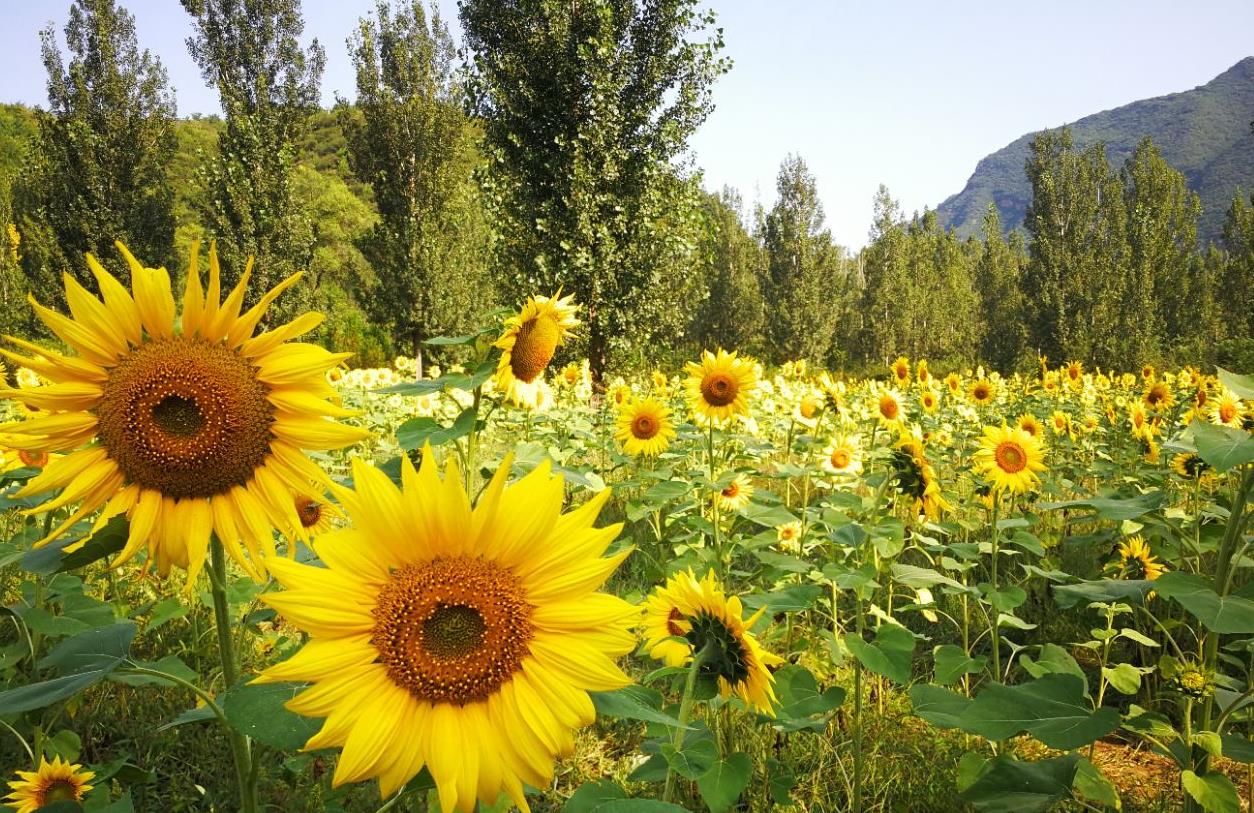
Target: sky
906,94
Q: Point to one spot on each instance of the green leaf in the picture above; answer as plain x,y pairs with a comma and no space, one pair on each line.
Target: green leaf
257,710
1114,508
1010,786
1054,660
696,757
890,654
951,663
107,541
1242,386
1123,677
416,432
166,610
1223,447
916,577
45,693
940,707
1092,785
170,664
606,796
1223,614
1102,590
666,491
100,648
771,516
633,703
780,782
792,599
1213,791
1238,748
801,705
722,785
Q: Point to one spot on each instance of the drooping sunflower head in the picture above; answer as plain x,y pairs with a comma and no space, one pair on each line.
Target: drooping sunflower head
719,386
1136,561
1189,466
56,781
1009,459
188,431
901,370
982,392
531,339
915,477
664,627
452,637
735,495
644,427
714,627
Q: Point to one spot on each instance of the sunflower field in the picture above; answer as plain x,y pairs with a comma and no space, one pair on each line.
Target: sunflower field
239,575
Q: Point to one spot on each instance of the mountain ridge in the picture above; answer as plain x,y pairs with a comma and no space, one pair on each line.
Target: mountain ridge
1206,132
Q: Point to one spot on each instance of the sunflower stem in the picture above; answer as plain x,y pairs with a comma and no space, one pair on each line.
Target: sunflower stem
685,713
241,748
996,630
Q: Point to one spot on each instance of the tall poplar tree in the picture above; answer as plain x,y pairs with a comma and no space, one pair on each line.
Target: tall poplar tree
732,316
1237,276
998,277
98,169
250,51
586,106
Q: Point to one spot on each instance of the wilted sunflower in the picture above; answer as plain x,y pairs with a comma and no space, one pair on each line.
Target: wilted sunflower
842,456
1009,459
916,478
527,346
192,432
901,370
644,427
464,640
714,624
56,781
982,392
1137,562
735,495
719,386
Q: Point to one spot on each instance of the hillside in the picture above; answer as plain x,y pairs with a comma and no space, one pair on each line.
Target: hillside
1206,133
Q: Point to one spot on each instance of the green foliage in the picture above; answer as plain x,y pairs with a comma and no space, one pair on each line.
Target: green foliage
998,278
97,169
733,315
408,139
585,106
268,86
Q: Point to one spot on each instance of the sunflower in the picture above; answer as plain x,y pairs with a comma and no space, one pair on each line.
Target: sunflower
1136,561
1009,459
1189,466
1074,373
620,393
735,495
1158,396
929,400
916,478
888,408
664,622
788,536
1147,372
806,411
982,392
316,515
953,382
1227,410
1030,424
530,339
192,432
713,624
644,427
719,386
1049,382
842,456
56,781
1143,427
13,459
921,373
463,640
1060,423
661,384
901,370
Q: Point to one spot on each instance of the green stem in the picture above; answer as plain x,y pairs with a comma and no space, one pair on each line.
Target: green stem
241,748
995,631
857,724
685,713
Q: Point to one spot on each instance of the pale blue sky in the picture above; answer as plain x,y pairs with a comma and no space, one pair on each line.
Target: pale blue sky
909,94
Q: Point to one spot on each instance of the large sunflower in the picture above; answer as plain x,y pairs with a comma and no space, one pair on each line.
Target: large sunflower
530,339
719,386
188,432
463,640
55,781
644,427
1009,459
709,621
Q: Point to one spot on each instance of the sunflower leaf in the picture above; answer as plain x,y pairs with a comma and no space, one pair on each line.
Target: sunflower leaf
258,712
634,703
1223,447
1223,614
1008,785
722,785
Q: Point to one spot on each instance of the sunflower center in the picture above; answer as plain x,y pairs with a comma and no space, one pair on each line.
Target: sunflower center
840,458
889,408
732,491
719,389
185,417
308,511
672,622
1227,412
34,460
534,348
980,392
1010,457
809,406
644,427
452,630
60,790
727,658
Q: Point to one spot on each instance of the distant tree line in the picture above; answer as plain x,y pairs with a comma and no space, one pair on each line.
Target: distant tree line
556,156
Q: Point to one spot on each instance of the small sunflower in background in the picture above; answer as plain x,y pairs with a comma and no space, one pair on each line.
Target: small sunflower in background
1060,424
52,782
1137,562
719,387
735,495
953,382
901,371
1158,396
456,638
1031,424
530,340
188,432
1073,374
1226,410
316,515
644,427
982,392
929,400
788,536
1009,459
1189,466
888,408
714,625
807,409
921,373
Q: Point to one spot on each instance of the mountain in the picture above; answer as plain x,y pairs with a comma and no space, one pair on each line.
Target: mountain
1207,133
